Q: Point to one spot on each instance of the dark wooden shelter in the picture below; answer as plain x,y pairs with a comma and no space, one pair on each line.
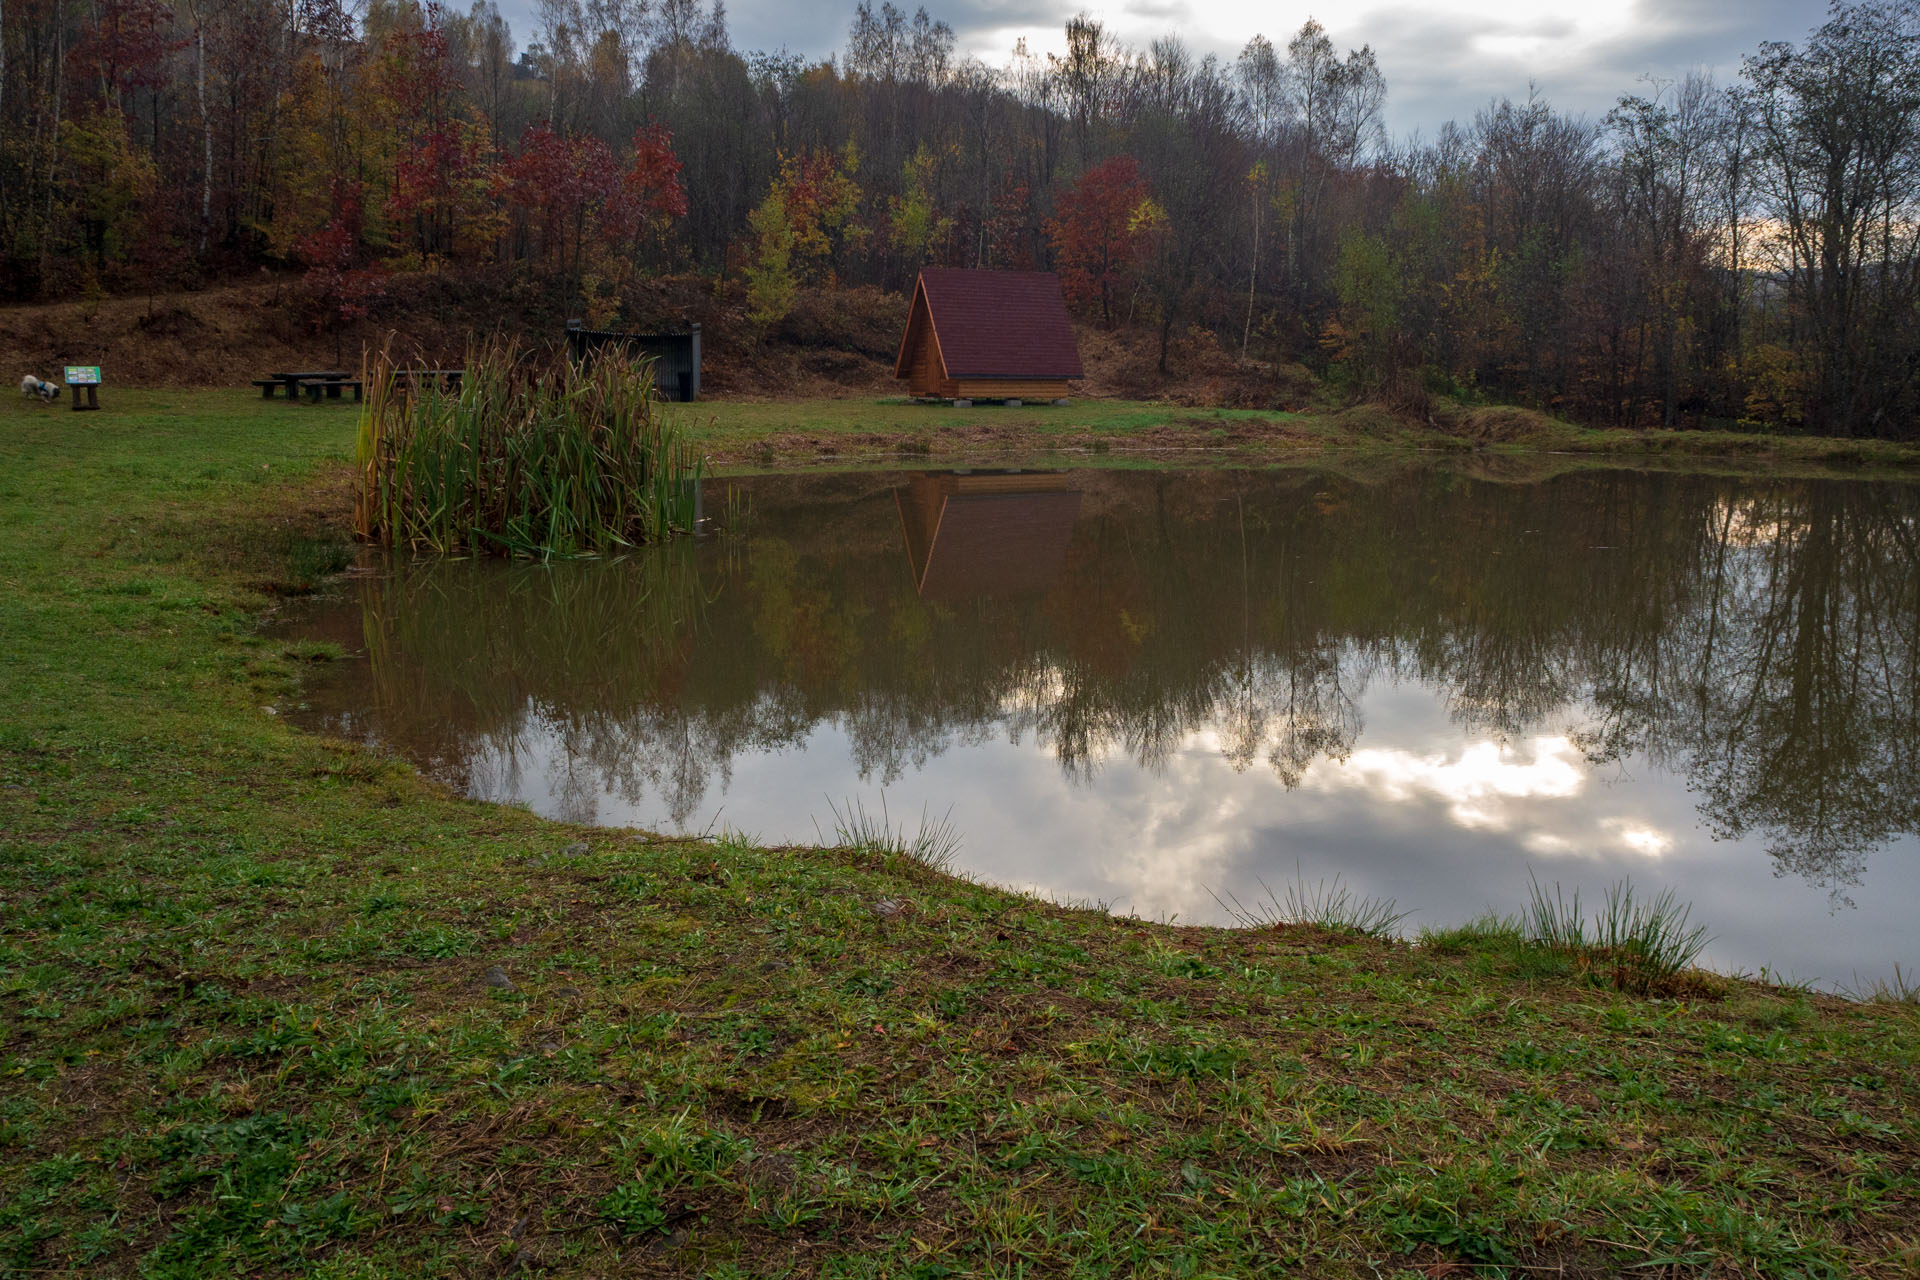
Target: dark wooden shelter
988,335
675,356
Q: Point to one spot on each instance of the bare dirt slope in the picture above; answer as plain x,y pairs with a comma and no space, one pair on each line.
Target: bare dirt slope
835,343
229,335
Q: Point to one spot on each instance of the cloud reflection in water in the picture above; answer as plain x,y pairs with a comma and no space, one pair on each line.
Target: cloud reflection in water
1143,689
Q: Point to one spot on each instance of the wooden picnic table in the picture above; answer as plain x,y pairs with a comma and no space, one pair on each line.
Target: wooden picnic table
333,381
446,379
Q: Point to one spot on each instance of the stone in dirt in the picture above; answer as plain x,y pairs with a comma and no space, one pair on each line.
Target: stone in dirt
887,908
578,849
497,978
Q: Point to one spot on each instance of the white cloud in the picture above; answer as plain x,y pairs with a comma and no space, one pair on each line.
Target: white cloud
1477,783
1638,837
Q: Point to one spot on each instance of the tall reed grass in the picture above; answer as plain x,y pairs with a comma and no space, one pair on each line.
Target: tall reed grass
529,457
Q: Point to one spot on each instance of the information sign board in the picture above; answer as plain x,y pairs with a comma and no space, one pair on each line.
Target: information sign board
83,375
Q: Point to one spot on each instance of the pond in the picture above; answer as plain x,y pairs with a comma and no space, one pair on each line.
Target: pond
1165,690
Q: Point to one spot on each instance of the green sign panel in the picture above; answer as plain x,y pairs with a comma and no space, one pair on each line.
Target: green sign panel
83,375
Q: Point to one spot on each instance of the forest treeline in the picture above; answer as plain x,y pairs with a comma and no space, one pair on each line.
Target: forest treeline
1702,254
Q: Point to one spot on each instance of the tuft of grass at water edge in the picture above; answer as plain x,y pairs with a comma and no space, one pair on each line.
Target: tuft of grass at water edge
933,843
1325,904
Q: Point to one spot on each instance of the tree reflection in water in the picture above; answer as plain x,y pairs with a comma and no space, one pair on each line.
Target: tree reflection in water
1759,638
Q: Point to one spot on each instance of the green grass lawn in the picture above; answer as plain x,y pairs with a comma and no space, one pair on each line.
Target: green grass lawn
273,1005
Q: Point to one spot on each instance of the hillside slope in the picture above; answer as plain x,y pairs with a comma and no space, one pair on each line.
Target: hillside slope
836,342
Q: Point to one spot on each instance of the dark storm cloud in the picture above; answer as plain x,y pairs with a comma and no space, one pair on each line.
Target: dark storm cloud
1438,65
1435,75
818,29
1171,12
1438,68
1435,64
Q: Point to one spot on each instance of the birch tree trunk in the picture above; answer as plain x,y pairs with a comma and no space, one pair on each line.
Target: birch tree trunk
1253,267
206,129
53,149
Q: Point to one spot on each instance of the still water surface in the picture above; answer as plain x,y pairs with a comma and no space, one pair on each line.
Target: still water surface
1149,689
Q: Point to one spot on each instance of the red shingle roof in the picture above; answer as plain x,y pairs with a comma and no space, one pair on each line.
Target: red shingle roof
999,324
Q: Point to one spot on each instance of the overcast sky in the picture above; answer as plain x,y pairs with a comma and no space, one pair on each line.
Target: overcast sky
1443,59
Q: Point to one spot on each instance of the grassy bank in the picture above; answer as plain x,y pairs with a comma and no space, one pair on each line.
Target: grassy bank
273,1005
785,432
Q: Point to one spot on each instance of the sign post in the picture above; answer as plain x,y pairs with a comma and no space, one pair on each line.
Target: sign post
88,376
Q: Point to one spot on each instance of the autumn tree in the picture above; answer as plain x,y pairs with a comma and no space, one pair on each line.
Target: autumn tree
639,215
1096,234
556,184
915,226
440,191
805,222
343,285
1666,178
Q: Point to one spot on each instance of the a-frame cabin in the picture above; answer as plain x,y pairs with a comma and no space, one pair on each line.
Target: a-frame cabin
988,335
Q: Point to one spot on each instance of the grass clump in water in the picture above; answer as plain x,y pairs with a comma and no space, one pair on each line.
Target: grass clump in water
1326,904
528,457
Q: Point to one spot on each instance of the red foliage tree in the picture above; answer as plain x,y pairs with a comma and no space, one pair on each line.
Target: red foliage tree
128,45
441,165
345,290
557,182
649,196
1094,241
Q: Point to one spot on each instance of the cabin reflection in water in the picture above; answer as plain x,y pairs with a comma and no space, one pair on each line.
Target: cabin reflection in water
986,533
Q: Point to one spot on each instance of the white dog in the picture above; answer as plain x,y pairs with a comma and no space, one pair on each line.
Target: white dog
31,386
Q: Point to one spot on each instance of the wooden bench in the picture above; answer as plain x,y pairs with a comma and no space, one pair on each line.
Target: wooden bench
333,387
296,381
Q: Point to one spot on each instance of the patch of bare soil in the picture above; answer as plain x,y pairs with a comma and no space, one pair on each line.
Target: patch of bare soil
838,343
229,335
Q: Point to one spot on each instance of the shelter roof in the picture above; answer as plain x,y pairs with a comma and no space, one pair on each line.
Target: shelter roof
996,324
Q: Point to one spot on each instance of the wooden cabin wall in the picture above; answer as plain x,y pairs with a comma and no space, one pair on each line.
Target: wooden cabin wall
1004,389
923,377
